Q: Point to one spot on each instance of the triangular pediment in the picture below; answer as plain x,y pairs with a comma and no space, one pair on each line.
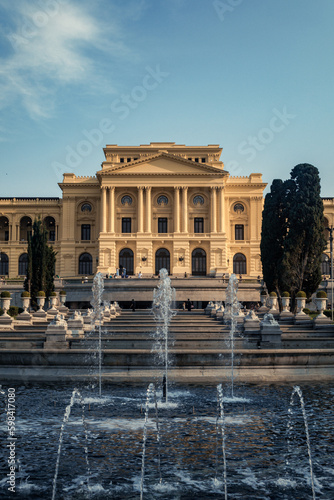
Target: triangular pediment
161,164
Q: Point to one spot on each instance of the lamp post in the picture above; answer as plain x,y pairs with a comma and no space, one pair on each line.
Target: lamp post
330,229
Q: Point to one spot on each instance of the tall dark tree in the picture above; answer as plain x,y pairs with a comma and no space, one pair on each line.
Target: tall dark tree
304,242
41,262
273,234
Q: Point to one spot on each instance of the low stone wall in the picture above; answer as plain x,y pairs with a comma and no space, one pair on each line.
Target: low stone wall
191,366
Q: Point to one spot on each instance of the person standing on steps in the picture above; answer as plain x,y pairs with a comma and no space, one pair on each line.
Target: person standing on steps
188,305
133,305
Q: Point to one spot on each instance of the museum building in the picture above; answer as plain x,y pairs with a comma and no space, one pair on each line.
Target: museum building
150,206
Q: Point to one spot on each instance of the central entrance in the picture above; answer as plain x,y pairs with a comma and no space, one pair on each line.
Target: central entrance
198,267
126,260
162,260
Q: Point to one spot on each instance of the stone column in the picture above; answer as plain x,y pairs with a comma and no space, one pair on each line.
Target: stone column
213,209
185,209
148,190
140,226
221,210
176,209
103,209
112,209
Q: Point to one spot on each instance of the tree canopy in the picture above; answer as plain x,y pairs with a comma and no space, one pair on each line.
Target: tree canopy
292,240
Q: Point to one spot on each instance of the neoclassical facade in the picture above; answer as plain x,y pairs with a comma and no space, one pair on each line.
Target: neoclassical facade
150,206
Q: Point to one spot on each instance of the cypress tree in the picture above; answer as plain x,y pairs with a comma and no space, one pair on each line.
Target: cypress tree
41,262
273,234
304,243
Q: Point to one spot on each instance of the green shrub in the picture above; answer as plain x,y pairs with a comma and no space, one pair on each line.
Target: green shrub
25,294
321,294
62,292
14,311
306,310
1,311
53,294
328,313
273,294
301,294
5,295
285,294
41,294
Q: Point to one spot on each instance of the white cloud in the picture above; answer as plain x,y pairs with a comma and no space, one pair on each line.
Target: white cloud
52,49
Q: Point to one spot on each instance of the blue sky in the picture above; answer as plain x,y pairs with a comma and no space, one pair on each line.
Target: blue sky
255,76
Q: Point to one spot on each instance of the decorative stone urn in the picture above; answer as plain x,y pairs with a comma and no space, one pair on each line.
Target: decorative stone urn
5,303
213,311
285,304
62,298
25,315
220,312
40,302
321,305
301,302
285,315
6,321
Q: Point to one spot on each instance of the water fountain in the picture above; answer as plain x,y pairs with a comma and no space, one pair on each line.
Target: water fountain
97,290
232,311
163,298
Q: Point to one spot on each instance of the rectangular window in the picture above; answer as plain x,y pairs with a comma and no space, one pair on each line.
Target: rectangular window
126,224
198,225
162,225
52,235
121,160
85,232
196,160
6,235
239,232
203,160
128,160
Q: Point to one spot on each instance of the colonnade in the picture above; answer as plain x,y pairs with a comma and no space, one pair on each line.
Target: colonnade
180,216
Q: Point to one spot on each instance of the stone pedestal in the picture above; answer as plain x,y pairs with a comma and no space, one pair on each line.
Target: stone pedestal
75,325
321,321
208,308
56,334
270,331
213,311
220,313
6,322
251,323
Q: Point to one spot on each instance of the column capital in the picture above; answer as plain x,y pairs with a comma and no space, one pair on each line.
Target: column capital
148,188
140,188
177,187
214,188
185,188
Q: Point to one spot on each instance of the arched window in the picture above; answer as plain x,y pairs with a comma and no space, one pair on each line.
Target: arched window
126,261
126,200
239,264
325,265
4,229
162,200
85,264
23,264
25,228
3,264
198,258
162,260
198,200
50,226
86,207
239,208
